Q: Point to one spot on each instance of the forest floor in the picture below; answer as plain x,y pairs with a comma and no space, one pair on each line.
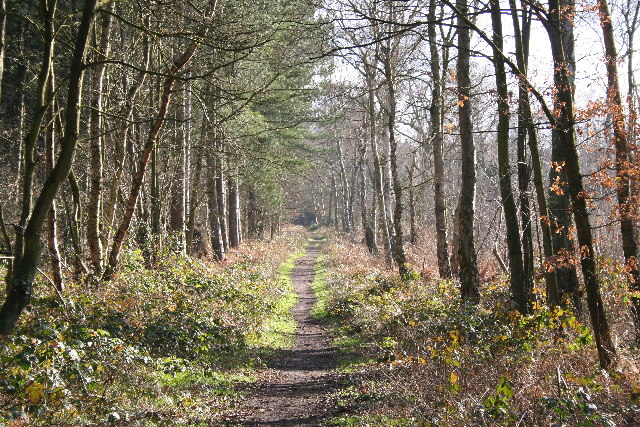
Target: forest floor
278,335
294,389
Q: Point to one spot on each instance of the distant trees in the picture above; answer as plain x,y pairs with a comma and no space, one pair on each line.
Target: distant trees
404,84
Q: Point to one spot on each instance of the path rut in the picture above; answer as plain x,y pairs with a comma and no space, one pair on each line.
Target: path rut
296,387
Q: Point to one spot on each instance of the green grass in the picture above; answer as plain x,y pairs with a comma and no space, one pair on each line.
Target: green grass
375,420
278,331
348,345
319,238
349,351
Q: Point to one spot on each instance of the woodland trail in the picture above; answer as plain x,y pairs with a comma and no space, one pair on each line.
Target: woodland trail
298,382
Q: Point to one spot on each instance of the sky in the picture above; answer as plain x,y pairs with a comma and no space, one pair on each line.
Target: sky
590,67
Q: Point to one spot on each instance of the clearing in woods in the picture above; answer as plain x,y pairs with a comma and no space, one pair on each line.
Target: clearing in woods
294,391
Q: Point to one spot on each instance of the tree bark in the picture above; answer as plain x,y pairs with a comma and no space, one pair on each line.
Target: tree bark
178,184
378,179
3,31
221,192
48,11
94,208
334,194
524,172
525,120
520,291
252,214
565,127
368,226
469,279
413,229
214,218
73,213
122,135
235,230
559,199
20,131
347,213
389,59
52,232
6,241
435,112
194,195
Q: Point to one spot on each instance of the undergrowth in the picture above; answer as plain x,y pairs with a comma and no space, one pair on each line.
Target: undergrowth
417,356
160,344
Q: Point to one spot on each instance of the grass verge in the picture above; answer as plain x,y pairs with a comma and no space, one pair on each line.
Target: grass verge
319,286
278,331
170,341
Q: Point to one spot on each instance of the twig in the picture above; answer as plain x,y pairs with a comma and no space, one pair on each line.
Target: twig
60,297
503,265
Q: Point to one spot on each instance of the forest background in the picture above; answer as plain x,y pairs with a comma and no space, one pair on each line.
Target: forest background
151,149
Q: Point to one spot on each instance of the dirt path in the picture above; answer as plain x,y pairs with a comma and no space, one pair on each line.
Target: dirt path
296,387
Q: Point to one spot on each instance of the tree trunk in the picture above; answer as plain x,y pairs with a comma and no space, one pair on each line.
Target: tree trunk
440,203
352,192
52,232
221,191
20,286
525,120
623,166
559,199
524,172
126,112
21,89
252,214
347,212
214,217
388,58
194,195
367,226
155,201
73,213
141,228
413,239
334,192
520,292
469,280
178,184
632,21
94,208
455,243
565,125
378,176
3,31
235,231
6,240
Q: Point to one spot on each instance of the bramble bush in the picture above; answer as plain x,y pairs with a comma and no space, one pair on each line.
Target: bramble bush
159,344
430,359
